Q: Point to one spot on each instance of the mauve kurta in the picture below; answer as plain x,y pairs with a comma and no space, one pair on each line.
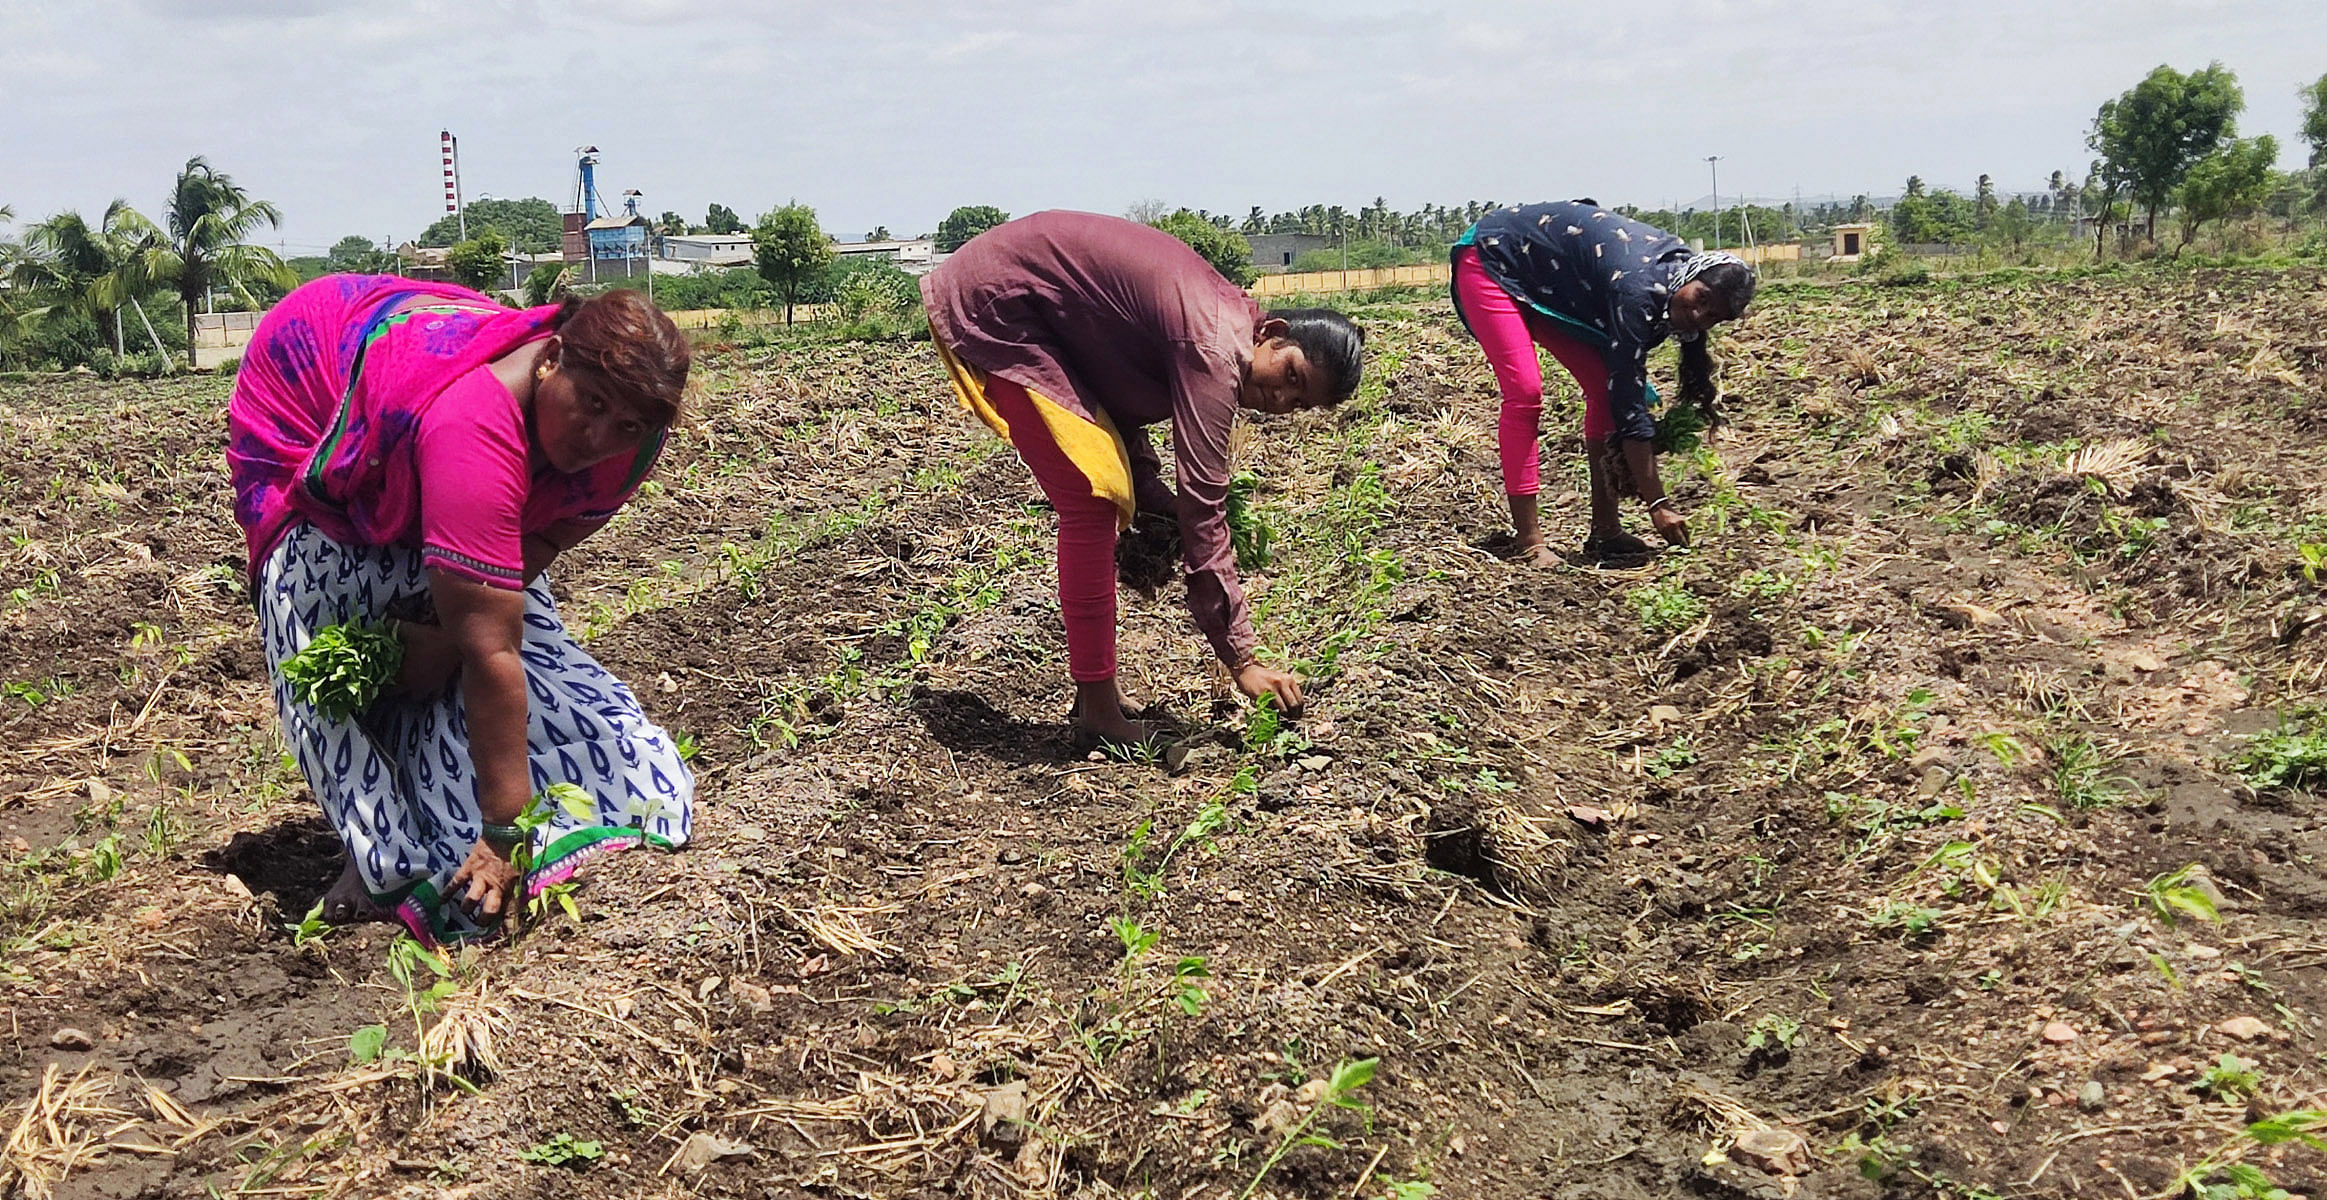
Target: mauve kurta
1106,315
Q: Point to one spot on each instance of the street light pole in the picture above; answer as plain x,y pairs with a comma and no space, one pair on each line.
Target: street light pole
1714,161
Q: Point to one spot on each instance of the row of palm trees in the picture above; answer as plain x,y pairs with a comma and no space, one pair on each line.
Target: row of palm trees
105,270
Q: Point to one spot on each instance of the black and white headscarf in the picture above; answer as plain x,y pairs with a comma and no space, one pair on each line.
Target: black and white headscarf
1699,263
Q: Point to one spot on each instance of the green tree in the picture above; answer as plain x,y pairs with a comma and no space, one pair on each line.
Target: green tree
722,219
547,283
965,223
2149,137
477,262
2013,224
1227,251
359,255
790,248
1984,202
69,267
879,233
207,223
2231,182
2315,120
530,226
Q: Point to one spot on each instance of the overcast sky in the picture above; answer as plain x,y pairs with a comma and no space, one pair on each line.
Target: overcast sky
893,113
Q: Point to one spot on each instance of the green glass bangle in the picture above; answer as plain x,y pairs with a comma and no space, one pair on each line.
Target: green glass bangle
502,835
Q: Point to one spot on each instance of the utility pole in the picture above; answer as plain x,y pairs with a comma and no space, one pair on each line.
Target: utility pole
1714,161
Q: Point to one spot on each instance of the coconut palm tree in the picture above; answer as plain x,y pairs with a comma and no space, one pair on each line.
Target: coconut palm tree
70,265
208,221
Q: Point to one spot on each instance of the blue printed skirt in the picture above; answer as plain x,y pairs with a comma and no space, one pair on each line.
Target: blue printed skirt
396,782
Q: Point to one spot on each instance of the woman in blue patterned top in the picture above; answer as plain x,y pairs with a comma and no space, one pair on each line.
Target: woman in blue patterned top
1599,291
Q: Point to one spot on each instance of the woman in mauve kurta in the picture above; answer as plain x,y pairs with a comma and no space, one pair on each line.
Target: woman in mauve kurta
412,453
1599,290
1069,334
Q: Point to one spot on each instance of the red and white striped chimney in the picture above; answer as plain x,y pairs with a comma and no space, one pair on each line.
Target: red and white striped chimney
452,176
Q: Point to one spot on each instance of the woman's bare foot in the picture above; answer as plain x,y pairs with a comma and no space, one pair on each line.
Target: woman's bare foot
347,902
1098,713
1536,553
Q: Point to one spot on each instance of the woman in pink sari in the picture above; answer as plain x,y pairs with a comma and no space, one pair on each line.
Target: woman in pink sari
412,452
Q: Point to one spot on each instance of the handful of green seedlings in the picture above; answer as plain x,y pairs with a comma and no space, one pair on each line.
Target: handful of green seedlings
1680,429
345,668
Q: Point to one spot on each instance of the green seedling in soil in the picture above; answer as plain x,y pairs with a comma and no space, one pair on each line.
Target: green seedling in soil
1265,731
2242,1181
2172,896
1670,760
1913,920
1411,1189
2313,556
33,697
2078,776
1340,1092
311,929
629,1106
344,668
2294,755
1773,1033
563,1150
104,858
686,745
2231,1078
1667,607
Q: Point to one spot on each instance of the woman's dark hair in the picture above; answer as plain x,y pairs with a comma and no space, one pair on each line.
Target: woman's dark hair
1735,284
1698,390
619,346
1331,342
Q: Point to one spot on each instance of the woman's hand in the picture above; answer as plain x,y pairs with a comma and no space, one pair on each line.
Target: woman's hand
430,658
1670,524
1284,687
493,882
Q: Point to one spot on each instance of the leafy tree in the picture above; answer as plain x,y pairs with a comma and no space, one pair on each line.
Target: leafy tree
359,255
722,219
207,221
530,226
879,233
2149,137
965,223
548,283
477,262
69,266
2013,224
790,248
1984,201
2315,120
2231,182
1225,249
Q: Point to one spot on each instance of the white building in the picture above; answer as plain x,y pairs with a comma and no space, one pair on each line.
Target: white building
711,251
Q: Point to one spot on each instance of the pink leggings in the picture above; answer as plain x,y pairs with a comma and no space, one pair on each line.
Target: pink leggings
1509,332
1086,535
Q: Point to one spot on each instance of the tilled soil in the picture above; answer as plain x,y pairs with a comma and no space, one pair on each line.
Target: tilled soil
1848,854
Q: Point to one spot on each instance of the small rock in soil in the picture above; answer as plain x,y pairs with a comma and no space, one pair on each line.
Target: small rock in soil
68,1038
2092,1097
1663,714
2245,1029
1777,1151
1002,1118
1934,781
2059,1032
703,1149
1279,1118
